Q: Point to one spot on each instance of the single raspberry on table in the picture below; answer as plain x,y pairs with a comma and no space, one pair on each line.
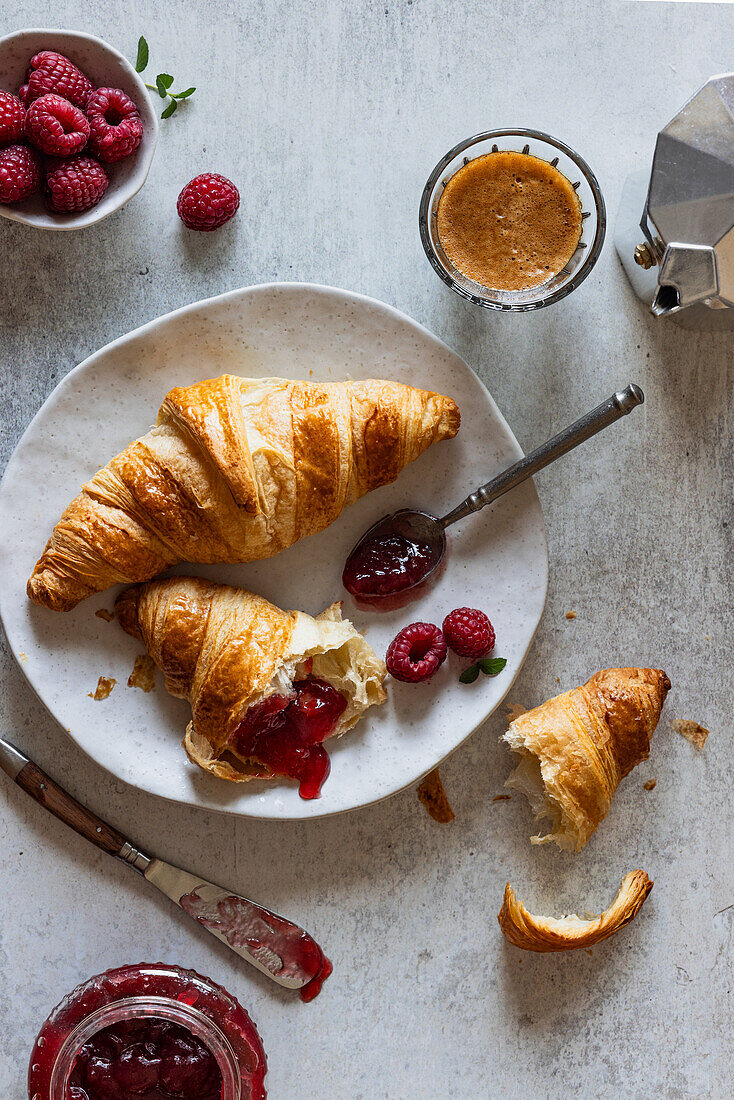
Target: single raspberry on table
75,185
468,632
52,72
56,126
115,127
415,653
12,118
207,202
21,173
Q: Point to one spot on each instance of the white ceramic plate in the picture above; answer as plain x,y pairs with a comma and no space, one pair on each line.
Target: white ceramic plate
498,557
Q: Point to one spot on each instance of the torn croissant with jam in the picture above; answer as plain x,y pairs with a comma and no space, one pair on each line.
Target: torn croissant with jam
236,469
267,687
577,747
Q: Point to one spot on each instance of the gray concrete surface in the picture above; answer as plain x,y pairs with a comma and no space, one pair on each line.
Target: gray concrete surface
329,116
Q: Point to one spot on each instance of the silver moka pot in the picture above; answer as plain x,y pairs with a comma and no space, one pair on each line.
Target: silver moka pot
675,226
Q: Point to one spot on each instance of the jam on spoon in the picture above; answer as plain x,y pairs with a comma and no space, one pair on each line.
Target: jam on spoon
385,565
285,733
401,552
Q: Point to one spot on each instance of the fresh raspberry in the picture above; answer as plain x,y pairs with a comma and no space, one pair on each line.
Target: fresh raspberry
21,173
415,653
115,127
12,118
207,202
56,126
23,94
52,72
75,185
468,632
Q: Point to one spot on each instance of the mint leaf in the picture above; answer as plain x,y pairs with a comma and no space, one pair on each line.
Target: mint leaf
490,666
183,95
143,54
170,109
166,80
469,675
161,85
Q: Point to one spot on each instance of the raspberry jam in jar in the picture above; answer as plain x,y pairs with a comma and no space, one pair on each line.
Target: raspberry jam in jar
151,1032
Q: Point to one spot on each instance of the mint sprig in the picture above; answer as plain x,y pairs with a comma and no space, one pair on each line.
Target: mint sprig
163,82
490,666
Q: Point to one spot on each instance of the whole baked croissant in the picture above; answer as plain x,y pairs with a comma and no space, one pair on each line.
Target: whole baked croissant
235,469
260,681
577,747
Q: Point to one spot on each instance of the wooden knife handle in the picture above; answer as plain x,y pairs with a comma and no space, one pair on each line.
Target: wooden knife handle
55,799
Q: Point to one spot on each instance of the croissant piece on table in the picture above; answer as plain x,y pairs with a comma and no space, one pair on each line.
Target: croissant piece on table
235,469
235,656
537,933
577,747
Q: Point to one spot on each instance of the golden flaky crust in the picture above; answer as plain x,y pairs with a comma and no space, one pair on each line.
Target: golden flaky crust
537,933
236,469
224,648
577,747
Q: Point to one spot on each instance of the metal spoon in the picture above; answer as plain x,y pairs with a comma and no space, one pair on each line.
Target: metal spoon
428,532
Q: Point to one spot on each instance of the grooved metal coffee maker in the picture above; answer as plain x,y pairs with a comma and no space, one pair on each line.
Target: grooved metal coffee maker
675,226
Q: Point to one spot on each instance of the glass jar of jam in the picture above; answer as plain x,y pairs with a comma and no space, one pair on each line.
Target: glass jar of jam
148,1031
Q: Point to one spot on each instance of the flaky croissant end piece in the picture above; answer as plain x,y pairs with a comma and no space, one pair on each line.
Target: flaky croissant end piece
225,650
537,933
236,469
576,747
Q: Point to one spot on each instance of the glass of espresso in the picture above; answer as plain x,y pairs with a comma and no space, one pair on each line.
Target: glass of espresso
512,219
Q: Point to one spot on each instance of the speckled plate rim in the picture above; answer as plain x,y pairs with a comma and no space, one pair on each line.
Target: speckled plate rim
315,809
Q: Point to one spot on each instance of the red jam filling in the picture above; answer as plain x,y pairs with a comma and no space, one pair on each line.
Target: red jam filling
285,733
386,565
149,1058
249,926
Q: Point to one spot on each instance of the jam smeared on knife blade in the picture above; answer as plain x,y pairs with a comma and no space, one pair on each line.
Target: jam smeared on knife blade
264,935
285,733
384,566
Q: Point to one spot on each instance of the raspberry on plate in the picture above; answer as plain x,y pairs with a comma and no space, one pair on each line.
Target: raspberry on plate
21,172
56,126
52,72
207,202
115,127
12,118
468,632
75,185
415,653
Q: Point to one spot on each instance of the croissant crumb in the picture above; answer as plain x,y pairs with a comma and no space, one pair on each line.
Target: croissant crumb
433,796
532,932
692,731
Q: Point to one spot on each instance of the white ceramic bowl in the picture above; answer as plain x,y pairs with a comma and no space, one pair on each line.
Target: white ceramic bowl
106,68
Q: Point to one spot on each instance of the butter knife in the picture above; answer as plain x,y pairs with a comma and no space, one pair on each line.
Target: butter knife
273,945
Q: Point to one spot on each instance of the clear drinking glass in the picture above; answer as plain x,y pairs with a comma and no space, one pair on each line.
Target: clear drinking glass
573,167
